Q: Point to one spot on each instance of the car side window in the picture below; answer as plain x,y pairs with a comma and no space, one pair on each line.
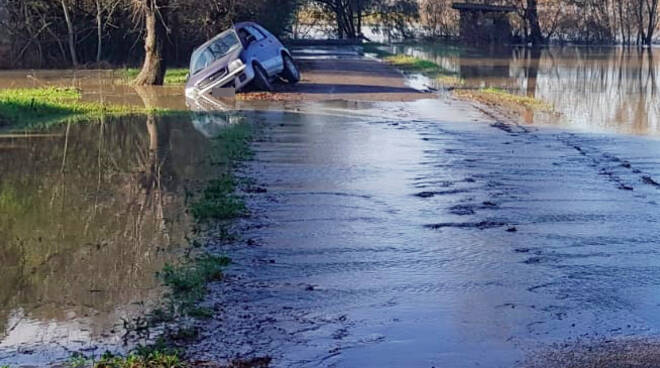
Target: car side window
243,35
255,32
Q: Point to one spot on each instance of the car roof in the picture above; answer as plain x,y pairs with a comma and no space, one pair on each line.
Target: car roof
244,24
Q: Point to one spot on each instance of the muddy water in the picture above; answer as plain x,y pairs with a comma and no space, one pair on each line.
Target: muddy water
594,89
425,234
88,213
102,86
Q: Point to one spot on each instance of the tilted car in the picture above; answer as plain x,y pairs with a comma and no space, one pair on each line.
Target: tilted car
246,53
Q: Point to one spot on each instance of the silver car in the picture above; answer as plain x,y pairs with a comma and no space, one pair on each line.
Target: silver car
244,54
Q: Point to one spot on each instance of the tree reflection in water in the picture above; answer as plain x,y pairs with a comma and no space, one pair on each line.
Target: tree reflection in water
593,88
88,213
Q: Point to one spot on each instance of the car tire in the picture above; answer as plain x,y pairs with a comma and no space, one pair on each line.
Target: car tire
291,72
261,81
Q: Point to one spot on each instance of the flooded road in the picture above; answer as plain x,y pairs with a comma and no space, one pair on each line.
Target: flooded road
414,234
88,213
426,234
606,89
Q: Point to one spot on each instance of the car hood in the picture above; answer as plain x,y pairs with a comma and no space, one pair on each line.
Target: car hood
214,67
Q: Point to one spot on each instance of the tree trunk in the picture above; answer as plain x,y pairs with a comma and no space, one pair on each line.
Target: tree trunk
153,69
99,31
532,15
653,11
359,19
72,40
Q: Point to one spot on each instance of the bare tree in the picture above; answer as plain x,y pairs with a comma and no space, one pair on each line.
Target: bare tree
150,14
103,8
70,33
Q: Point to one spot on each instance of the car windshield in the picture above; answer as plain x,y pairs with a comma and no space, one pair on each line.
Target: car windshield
219,47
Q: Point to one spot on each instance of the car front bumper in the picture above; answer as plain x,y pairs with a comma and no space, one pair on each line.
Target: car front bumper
237,79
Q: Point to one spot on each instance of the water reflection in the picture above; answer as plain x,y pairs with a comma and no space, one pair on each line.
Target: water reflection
88,213
601,89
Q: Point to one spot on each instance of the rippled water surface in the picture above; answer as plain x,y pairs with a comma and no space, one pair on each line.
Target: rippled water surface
426,234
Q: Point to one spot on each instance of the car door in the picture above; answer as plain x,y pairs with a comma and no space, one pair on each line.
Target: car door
275,47
263,50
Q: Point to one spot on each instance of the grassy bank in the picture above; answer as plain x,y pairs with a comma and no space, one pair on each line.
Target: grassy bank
172,75
28,107
501,97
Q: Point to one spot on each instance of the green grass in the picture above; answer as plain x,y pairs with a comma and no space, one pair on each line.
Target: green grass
28,107
172,75
232,145
495,96
143,357
218,201
414,64
187,283
411,63
502,97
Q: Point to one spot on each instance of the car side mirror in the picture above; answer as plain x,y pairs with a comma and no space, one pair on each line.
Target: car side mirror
249,39
187,77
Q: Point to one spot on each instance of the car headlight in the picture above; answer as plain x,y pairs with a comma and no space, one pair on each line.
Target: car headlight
234,65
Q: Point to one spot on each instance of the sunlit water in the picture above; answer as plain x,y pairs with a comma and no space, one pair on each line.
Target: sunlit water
382,238
426,234
88,213
594,89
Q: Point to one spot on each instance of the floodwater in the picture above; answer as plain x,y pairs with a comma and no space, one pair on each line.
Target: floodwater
88,213
383,234
427,234
606,89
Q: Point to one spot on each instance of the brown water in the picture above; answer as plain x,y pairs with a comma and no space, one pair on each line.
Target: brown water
605,89
104,86
88,213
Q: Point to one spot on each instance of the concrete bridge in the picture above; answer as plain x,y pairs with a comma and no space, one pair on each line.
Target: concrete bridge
484,23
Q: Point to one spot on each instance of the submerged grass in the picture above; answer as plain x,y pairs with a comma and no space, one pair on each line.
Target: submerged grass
29,107
411,63
172,75
414,64
187,282
453,81
158,355
502,97
218,201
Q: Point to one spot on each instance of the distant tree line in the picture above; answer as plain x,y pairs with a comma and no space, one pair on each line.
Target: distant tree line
629,22
157,33
63,33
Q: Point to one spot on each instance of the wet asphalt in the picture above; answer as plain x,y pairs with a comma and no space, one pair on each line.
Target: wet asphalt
429,234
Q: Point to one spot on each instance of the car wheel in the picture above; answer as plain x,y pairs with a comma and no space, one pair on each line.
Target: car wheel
290,73
261,79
